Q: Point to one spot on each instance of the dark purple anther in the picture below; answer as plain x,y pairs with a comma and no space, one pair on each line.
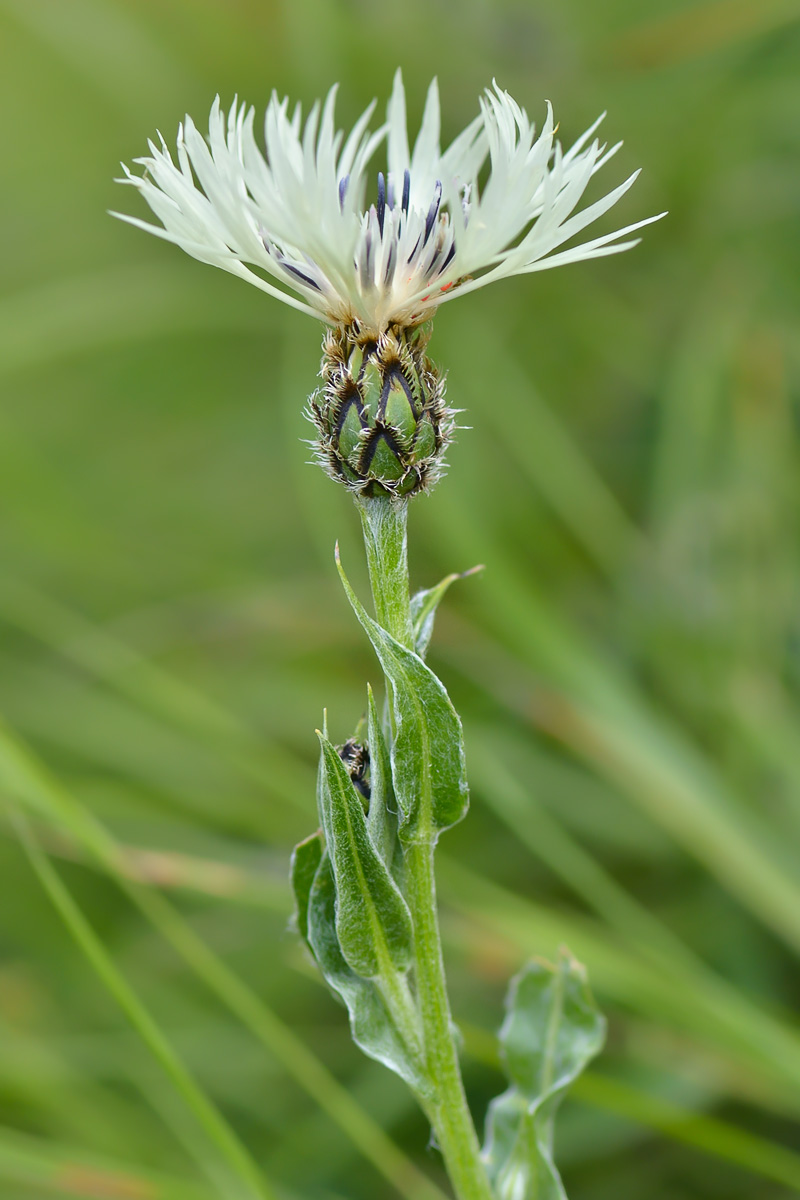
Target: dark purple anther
381,201
365,266
406,190
301,275
343,182
433,211
390,261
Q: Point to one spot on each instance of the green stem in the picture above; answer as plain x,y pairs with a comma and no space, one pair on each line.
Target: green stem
384,522
449,1111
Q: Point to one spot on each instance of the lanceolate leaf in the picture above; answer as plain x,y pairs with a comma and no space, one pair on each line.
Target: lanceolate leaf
382,815
552,1030
373,923
428,753
306,858
423,609
372,1027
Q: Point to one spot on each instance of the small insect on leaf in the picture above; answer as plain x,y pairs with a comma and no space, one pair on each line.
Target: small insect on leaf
428,767
373,923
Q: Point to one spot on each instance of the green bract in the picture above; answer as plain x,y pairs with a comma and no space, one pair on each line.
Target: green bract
381,417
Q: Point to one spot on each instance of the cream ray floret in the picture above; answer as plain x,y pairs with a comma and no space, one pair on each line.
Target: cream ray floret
328,240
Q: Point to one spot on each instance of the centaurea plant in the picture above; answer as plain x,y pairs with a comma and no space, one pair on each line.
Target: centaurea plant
373,258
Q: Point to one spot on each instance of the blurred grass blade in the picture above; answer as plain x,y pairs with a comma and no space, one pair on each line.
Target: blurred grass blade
112,661
246,1176
713,1136
667,778
533,825
44,1082
717,1016
22,778
106,46
723,1017
700,29
543,450
600,715
64,318
70,1171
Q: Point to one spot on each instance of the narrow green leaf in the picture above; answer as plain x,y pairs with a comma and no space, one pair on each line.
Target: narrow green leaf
552,1030
306,858
373,923
428,765
424,606
24,778
246,1178
382,815
371,1025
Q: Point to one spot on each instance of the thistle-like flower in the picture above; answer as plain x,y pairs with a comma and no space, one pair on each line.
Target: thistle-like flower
304,223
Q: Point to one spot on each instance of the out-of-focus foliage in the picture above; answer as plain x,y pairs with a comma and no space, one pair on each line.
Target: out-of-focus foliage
171,623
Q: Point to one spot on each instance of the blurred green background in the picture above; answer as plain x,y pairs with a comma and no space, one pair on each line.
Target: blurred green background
171,625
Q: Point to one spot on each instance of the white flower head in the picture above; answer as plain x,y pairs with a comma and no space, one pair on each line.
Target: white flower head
305,221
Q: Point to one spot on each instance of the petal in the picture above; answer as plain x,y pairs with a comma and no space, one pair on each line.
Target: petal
397,145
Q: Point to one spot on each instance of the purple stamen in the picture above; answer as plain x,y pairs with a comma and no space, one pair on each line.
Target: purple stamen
365,267
433,211
390,261
406,190
449,258
301,275
343,182
381,201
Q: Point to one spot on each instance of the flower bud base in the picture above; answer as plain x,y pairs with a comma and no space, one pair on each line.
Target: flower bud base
382,421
